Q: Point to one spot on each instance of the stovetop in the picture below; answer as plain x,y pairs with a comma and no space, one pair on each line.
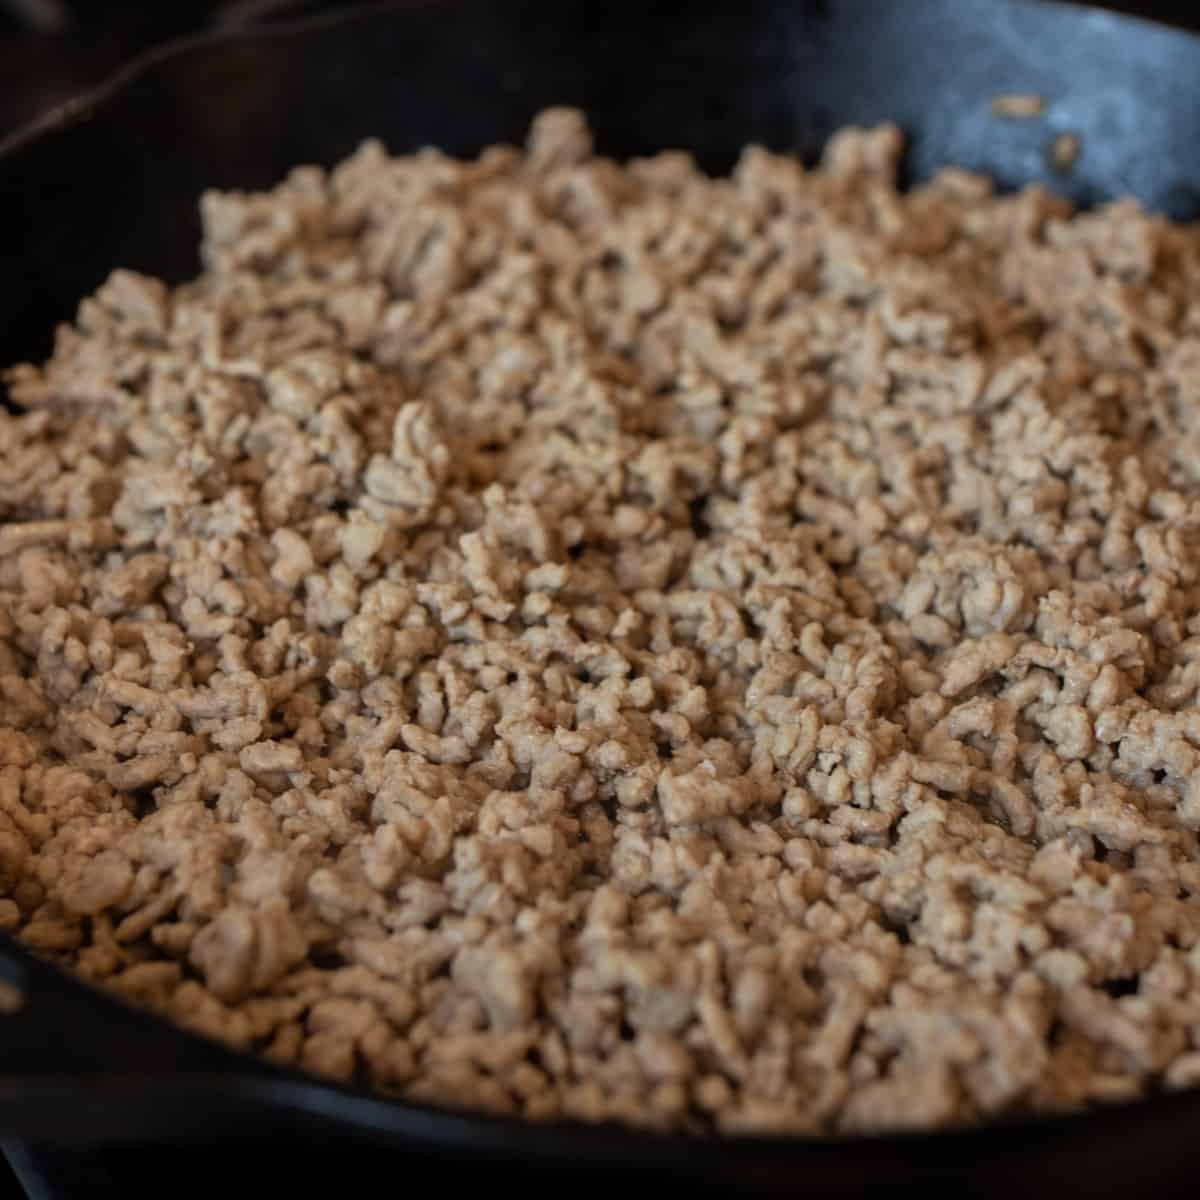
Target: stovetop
50,51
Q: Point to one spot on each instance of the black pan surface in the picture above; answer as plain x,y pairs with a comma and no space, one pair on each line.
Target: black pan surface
114,181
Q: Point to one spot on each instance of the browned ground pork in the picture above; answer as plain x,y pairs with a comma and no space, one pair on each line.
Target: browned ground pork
602,641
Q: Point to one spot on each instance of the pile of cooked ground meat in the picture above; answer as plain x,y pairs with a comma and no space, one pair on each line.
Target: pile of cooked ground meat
600,641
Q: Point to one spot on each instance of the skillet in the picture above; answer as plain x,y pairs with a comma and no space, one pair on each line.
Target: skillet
113,180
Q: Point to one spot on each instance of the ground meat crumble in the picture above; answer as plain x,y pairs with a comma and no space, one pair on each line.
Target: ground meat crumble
606,642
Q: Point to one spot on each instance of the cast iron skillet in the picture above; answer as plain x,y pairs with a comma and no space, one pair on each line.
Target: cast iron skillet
114,181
